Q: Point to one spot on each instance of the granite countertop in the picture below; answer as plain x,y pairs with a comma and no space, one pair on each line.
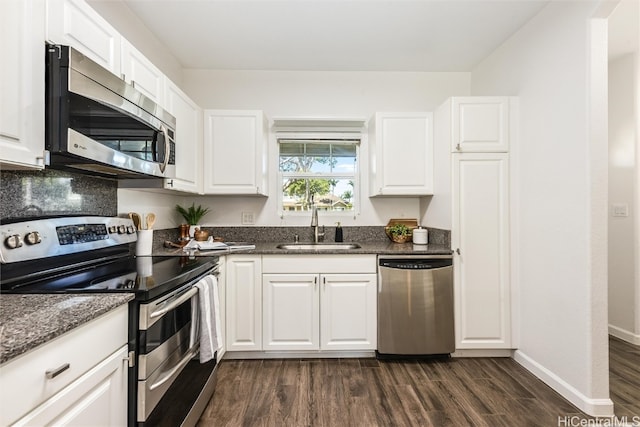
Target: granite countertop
27,321
383,247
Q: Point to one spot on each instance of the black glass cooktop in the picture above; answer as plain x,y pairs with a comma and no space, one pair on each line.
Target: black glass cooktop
147,277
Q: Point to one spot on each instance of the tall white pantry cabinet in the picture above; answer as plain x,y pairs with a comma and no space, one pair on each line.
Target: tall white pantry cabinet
481,132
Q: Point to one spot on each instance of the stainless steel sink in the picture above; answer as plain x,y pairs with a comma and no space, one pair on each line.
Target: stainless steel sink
317,246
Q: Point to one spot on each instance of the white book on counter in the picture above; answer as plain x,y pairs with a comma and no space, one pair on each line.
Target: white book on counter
211,245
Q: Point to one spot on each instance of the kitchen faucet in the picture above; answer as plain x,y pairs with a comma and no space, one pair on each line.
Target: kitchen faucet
314,224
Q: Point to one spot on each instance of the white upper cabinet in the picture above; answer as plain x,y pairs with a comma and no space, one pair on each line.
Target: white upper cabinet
22,84
480,124
188,140
75,23
140,73
235,152
402,155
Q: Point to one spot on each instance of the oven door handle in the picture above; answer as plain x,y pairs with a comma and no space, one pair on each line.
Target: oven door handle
167,376
170,305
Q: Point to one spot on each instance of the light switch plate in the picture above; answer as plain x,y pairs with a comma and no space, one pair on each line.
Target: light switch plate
247,218
620,210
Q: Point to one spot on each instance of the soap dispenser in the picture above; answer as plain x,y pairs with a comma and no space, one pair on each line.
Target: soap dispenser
338,233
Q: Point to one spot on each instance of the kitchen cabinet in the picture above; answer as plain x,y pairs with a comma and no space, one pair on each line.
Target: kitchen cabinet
480,237
188,140
402,154
222,299
304,309
22,24
480,123
75,23
235,152
140,73
91,390
243,303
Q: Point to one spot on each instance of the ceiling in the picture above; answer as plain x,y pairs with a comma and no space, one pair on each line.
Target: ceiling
333,35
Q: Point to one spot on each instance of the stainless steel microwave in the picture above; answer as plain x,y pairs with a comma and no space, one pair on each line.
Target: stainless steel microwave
96,123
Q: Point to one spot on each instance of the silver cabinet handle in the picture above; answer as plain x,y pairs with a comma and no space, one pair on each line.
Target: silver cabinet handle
52,373
458,251
458,147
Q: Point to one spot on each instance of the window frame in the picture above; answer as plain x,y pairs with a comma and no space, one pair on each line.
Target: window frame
330,137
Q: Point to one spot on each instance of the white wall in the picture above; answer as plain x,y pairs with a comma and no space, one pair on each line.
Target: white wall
562,333
319,94
624,176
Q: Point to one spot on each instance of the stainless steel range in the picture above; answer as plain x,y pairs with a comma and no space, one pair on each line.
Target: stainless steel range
167,383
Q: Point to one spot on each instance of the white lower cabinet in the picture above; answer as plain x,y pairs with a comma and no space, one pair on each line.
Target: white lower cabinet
290,312
480,237
222,299
243,303
306,310
79,378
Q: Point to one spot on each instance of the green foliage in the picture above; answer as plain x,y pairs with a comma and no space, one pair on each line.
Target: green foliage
399,230
193,214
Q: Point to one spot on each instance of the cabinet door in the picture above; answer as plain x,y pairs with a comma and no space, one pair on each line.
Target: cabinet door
290,312
403,154
222,297
22,83
234,152
244,303
480,237
188,140
140,73
98,398
480,124
349,305
75,23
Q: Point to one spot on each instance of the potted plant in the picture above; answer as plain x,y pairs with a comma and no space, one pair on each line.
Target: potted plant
193,214
399,233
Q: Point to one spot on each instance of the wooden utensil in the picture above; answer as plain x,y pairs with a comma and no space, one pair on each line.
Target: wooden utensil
151,219
136,220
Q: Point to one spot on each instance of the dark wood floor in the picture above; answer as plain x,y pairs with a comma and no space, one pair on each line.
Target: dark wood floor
624,377
368,392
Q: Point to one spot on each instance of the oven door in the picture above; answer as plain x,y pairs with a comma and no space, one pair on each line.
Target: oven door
167,340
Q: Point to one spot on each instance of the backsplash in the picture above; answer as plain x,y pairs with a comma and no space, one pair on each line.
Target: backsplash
50,192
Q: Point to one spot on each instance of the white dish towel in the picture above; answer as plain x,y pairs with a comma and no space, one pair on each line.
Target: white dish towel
210,333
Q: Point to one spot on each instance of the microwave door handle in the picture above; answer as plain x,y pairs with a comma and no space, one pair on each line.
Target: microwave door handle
175,303
167,147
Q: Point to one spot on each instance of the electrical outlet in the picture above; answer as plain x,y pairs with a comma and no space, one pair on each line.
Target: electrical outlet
247,218
620,210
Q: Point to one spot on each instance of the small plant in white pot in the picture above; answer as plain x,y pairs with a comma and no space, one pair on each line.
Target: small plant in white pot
192,215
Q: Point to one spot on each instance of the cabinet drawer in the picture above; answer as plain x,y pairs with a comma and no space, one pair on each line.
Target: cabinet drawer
305,263
24,380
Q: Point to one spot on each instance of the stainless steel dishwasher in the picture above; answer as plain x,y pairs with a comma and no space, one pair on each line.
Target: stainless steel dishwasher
415,305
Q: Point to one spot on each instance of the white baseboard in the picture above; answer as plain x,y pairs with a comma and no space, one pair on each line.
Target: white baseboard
335,354
593,407
624,335
482,353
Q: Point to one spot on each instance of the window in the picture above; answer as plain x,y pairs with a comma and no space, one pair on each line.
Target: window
321,171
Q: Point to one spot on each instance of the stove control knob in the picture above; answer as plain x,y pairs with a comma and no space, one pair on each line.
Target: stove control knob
112,229
130,229
33,238
122,229
13,242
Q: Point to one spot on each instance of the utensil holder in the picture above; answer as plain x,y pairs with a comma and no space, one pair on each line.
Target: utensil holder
144,245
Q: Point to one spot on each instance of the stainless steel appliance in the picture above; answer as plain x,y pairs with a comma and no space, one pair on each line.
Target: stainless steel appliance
167,383
97,123
415,305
